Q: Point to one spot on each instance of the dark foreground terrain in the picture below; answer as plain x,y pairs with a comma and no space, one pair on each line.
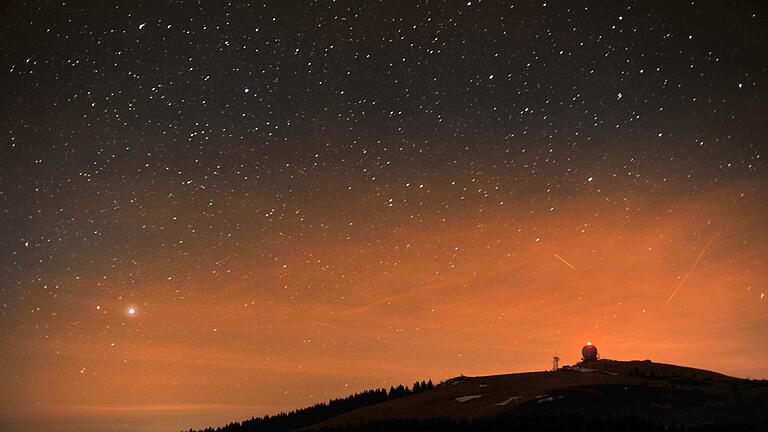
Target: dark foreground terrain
603,395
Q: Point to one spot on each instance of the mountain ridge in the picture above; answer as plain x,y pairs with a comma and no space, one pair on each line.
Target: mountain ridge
649,392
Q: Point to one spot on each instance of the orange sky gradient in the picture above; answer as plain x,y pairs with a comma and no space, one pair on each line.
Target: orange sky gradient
481,292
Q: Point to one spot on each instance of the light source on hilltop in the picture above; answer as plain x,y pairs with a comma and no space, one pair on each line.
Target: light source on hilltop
589,352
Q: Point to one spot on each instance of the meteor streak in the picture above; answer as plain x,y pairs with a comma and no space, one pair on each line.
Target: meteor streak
566,262
693,267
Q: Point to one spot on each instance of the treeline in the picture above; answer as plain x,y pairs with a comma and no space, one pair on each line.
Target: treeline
304,417
543,422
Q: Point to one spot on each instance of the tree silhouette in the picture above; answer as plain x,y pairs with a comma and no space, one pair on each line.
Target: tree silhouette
300,418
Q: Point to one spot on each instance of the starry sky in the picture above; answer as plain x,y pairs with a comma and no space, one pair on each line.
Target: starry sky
214,211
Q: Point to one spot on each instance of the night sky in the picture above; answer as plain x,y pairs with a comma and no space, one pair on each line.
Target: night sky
215,211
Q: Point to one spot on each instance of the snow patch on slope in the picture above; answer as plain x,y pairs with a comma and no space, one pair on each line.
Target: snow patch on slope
463,399
506,401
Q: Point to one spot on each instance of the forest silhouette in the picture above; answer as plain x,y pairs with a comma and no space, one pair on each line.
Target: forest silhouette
322,411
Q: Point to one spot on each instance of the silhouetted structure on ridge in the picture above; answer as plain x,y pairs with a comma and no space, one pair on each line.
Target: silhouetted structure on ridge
589,352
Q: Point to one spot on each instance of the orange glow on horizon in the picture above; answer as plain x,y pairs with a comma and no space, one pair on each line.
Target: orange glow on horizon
212,211
472,296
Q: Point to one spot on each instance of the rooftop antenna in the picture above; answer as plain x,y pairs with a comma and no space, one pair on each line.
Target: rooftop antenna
555,363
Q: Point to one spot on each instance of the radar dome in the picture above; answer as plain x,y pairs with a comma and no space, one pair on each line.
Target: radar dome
589,352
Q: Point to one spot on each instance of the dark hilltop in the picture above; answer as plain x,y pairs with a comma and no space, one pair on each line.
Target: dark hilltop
595,394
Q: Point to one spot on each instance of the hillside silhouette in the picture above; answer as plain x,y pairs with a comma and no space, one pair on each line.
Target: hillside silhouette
304,417
592,395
